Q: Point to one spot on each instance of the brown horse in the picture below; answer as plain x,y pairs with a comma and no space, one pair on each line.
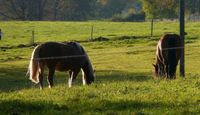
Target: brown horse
62,57
167,55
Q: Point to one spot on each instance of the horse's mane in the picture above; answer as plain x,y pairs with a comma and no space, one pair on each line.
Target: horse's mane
87,61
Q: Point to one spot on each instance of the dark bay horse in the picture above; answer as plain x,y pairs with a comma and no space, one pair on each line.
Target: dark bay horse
62,57
168,54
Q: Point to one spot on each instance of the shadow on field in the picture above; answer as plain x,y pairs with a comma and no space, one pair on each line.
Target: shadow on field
12,79
17,107
121,76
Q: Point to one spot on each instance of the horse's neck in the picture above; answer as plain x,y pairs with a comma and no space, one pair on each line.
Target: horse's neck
88,66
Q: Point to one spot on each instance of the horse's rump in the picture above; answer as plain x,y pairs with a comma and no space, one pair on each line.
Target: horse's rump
168,54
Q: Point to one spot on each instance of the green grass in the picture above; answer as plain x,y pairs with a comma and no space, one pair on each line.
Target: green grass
21,32
124,81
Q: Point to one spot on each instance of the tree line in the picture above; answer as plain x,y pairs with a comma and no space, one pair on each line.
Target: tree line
94,9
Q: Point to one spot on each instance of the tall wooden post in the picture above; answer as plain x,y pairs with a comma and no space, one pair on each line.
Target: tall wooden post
182,35
92,30
33,38
152,27
0,34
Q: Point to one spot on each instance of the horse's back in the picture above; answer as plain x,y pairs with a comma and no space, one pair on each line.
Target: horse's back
78,48
64,56
51,49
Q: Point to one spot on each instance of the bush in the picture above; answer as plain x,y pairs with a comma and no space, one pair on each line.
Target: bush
140,17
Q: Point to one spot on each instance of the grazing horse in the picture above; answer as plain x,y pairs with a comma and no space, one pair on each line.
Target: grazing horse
62,57
167,55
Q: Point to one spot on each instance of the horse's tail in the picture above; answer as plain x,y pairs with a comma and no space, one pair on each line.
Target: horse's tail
33,69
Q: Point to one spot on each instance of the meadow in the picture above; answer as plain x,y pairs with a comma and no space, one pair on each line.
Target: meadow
124,82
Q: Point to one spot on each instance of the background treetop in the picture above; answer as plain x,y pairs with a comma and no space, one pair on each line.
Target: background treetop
76,10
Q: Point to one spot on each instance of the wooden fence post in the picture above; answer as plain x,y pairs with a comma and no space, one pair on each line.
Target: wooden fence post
182,35
92,30
152,22
33,37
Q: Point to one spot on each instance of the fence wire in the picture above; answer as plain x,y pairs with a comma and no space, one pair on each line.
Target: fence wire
141,48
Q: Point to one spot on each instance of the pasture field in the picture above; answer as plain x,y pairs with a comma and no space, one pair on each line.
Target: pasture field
124,81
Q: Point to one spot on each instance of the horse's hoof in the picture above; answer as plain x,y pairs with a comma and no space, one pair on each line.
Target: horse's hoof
50,87
70,83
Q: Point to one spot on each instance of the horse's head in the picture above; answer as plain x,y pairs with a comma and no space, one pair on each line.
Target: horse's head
172,71
158,70
88,71
91,77
155,69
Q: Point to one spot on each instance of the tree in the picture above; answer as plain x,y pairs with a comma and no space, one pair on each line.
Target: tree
23,9
13,9
160,8
193,6
36,9
109,8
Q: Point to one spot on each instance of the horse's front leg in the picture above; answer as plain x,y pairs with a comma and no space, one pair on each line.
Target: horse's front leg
50,77
167,71
83,77
72,76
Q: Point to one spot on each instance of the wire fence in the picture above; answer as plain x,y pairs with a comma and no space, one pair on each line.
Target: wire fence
133,30
58,57
140,48
124,52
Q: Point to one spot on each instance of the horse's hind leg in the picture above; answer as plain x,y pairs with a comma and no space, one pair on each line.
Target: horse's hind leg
50,77
41,72
166,71
41,80
72,76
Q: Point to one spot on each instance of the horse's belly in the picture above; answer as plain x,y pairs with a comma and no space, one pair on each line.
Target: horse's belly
68,64
62,67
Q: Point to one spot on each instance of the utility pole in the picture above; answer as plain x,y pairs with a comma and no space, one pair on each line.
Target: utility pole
182,35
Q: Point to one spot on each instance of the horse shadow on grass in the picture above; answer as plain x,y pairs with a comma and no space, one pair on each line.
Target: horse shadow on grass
121,76
13,79
18,107
107,76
